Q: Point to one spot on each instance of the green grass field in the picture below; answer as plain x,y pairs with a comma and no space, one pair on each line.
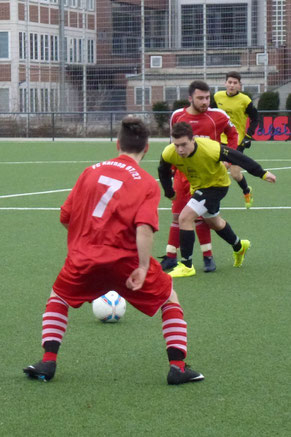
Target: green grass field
111,379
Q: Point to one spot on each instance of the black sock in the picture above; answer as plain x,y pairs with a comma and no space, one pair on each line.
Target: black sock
229,236
187,239
244,185
51,346
175,354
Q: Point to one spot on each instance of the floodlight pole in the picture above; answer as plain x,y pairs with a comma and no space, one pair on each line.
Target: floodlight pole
204,42
142,57
62,55
265,47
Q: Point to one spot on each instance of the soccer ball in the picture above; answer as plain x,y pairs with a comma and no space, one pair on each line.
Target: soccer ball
109,308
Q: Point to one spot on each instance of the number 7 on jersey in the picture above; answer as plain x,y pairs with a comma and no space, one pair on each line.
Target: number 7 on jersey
113,186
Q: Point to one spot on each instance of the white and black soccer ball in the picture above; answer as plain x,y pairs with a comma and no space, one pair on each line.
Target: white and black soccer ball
109,308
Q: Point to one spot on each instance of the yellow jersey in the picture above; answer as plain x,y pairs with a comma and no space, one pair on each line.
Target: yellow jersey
235,107
202,168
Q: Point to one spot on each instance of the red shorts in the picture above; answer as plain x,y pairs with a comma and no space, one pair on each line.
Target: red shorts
80,282
182,190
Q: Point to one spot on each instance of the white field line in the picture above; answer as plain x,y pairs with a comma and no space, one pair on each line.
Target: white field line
93,161
259,208
7,196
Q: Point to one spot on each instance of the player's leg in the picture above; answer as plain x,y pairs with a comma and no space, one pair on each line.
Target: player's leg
170,259
182,190
185,268
224,230
175,334
54,325
204,236
237,175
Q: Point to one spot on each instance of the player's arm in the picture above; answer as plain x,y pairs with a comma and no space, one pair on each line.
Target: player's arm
252,112
165,175
144,243
232,135
250,165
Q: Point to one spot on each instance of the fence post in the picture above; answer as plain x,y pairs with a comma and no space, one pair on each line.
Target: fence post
53,126
111,126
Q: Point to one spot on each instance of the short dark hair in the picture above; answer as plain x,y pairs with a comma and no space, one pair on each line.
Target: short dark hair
133,135
182,129
233,74
197,85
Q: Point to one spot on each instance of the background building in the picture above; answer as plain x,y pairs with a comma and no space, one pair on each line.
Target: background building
124,55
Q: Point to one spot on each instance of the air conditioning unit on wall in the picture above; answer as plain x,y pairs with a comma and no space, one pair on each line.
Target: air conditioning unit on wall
156,61
262,58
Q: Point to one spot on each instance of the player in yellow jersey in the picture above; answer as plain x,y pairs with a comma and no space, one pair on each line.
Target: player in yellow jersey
200,160
239,107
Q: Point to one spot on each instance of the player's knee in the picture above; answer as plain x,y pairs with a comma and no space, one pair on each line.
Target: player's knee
173,297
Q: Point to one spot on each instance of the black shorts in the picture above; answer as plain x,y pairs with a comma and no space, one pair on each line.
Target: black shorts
206,201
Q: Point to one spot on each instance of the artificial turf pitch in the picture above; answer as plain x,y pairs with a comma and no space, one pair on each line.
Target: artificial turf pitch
111,379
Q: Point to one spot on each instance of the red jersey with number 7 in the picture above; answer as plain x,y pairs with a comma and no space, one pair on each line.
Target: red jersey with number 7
109,200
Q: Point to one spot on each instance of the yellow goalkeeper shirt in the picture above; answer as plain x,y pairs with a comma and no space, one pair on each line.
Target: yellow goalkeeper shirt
235,107
202,168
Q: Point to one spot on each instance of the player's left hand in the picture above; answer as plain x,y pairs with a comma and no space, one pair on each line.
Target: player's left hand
136,279
246,142
269,177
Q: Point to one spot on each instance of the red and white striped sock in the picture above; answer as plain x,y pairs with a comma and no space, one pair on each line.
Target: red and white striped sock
54,325
175,333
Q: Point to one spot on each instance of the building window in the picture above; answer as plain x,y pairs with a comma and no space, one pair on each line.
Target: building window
173,93
90,51
33,44
44,47
138,96
22,100
66,49
22,45
279,30
44,103
226,25
54,48
80,50
4,100
91,5
126,28
219,59
33,100
4,45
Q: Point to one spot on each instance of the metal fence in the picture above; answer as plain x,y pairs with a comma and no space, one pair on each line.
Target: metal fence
273,125
125,55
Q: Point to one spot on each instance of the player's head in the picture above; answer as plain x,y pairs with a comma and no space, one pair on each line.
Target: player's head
133,135
199,96
232,83
183,139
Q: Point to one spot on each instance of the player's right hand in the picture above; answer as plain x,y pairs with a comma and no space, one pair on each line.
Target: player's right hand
136,279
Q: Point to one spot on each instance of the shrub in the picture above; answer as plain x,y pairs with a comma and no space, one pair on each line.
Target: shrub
161,118
182,103
269,100
288,102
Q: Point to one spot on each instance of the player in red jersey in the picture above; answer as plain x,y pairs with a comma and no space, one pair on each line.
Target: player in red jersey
111,215
209,123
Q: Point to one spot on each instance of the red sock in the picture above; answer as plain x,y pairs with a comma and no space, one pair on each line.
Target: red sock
174,327
204,236
49,356
173,241
180,364
54,324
